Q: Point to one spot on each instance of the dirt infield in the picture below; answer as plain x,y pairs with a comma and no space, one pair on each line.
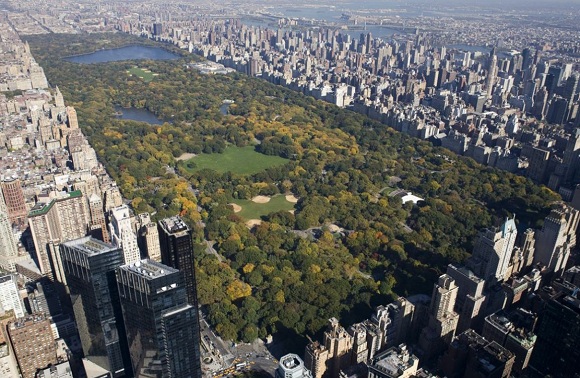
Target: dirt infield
261,199
291,198
237,208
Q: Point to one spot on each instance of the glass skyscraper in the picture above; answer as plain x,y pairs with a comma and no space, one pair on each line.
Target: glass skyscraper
89,266
162,327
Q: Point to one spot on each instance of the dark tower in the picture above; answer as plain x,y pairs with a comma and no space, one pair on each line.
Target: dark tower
89,266
162,328
177,252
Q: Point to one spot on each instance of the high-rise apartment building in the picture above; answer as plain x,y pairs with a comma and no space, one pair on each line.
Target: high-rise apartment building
8,247
394,321
557,238
162,327
71,117
360,350
442,318
9,297
491,75
122,234
493,250
339,345
33,343
149,237
177,251
14,200
470,297
62,219
89,265
315,357
98,223
329,359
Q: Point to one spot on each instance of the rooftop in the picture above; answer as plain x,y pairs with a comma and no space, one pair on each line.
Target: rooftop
173,225
90,246
26,321
43,208
6,278
394,361
149,269
290,362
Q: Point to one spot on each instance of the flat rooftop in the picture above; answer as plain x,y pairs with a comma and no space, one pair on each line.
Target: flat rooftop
291,361
149,269
394,361
90,246
173,225
26,321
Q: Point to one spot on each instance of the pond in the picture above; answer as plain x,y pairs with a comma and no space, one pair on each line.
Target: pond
137,114
123,53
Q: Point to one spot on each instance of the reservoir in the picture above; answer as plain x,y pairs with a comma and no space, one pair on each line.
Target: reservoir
123,53
137,114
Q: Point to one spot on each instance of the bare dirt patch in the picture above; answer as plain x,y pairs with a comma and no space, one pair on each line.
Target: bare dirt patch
237,208
291,198
253,222
186,156
261,199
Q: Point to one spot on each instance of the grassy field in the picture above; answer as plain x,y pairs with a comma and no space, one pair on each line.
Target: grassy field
239,160
252,210
146,75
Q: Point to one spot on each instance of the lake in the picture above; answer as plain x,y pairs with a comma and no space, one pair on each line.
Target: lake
138,114
123,53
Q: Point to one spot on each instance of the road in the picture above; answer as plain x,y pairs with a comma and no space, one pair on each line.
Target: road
210,250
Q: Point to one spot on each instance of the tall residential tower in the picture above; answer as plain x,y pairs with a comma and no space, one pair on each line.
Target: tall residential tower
162,328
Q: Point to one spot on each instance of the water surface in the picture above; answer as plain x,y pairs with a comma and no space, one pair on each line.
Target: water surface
137,114
123,53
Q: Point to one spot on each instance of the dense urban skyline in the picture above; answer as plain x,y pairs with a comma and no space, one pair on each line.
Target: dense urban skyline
436,143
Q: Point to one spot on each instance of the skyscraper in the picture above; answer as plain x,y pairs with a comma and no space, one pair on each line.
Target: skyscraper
491,74
148,237
33,343
177,251
89,265
122,234
493,250
557,238
470,297
315,357
394,321
62,219
14,199
97,213
442,318
162,328
8,249
339,345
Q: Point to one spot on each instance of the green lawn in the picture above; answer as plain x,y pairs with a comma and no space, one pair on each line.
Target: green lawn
239,160
252,210
146,75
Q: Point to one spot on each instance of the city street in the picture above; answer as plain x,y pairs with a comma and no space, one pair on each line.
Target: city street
221,358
